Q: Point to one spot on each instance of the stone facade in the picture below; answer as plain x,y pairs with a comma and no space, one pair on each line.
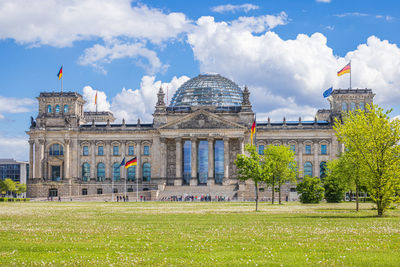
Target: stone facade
68,146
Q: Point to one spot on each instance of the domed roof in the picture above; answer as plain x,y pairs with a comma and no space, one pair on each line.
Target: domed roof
208,90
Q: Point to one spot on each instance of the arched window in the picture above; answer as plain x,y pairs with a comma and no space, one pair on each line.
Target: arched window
116,171
101,172
146,172
56,150
322,169
49,109
65,108
85,171
57,108
344,106
308,169
132,173
352,106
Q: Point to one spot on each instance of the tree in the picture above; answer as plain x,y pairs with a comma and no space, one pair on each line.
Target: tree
252,167
373,140
9,185
20,188
3,188
336,182
310,190
282,166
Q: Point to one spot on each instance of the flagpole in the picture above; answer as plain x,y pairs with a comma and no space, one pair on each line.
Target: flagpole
350,74
126,177
137,187
112,188
62,83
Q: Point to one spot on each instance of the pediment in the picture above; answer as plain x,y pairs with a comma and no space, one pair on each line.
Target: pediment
202,120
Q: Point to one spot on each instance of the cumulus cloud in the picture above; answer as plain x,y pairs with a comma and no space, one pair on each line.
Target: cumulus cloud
98,55
89,95
292,73
234,8
15,105
14,147
60,24
132,104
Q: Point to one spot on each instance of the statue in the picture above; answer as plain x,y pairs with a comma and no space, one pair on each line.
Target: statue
33,122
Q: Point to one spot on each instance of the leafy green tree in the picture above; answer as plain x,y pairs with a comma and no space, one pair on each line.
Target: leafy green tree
9,185
282,165
336,183
373,140
252,167
20,188
3,188
310,190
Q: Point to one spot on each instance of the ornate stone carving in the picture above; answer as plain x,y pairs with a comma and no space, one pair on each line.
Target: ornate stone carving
201,121
171,158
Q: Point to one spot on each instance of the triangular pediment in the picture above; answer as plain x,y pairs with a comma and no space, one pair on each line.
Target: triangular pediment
202,119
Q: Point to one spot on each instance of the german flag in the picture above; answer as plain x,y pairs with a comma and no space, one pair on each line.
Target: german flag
59,75
346,69
130,163
253,131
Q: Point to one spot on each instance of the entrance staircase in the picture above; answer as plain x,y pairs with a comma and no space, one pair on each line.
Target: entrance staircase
227,191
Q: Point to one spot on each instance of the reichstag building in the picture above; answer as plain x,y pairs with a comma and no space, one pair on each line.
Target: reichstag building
189,148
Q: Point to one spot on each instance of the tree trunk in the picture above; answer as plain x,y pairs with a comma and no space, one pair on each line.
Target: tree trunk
280,202
357,203
273,191
379,207
256,184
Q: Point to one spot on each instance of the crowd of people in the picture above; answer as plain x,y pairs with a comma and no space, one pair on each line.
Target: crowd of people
191,198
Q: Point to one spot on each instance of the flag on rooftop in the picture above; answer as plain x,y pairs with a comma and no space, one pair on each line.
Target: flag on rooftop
59,75
253,131
328,92
346,69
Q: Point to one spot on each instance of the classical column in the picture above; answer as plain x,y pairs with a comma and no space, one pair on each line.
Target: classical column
211,160
92,160
241,145
178,166
66,159
138,152
108,161
226,158
31,162
122,168
194,158
316,157
300,158
163,158
41,156
78,158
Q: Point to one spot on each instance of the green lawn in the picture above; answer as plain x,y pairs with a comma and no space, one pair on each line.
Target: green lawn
197,234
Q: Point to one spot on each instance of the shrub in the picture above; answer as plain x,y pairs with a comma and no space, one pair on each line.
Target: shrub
334,189
310,190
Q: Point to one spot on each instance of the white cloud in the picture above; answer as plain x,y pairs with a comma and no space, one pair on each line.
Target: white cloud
98,55
14,147
60,24
139,103
323,1
292,74
233,8
89,95
351,14
15,105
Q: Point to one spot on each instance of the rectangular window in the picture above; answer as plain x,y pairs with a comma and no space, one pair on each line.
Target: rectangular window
115,150
85,150
261,149
323,150
100,151
99,191
146,150
293,148
84,191
130,151
308,149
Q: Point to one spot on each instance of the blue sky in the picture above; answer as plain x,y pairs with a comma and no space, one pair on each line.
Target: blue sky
287,52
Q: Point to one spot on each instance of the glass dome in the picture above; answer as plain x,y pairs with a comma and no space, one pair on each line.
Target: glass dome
208,90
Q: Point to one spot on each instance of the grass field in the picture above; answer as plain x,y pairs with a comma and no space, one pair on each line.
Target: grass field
197,234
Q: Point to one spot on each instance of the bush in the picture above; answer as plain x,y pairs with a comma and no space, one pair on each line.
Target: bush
310,190
334,189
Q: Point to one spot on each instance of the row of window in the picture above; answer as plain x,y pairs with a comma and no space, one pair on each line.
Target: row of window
116,173
308,169
345,106
57,150
100,150
53,192
57,109
307,149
